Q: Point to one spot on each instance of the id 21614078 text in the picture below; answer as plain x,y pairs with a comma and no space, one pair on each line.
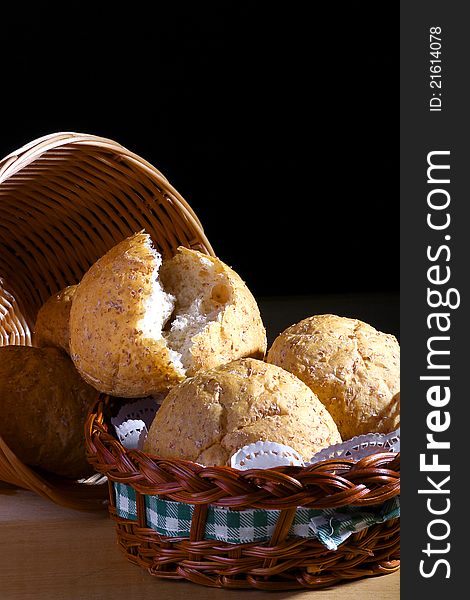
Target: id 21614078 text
435,69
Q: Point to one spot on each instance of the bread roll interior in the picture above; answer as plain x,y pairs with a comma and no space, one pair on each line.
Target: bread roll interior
159,307
188,294
202,290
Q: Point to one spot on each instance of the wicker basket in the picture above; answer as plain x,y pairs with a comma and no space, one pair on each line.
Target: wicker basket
279,564
65,199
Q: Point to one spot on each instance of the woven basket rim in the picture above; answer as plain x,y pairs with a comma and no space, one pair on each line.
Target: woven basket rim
327,483
28,153
17,159
71,494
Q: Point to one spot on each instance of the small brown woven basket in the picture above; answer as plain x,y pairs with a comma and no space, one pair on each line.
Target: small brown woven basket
281,563
65,199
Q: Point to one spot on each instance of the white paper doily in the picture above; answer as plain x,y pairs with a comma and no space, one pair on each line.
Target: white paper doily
134,419
360,446
265,455
132,434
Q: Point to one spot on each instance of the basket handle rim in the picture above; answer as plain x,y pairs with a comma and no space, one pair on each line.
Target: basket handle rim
28,153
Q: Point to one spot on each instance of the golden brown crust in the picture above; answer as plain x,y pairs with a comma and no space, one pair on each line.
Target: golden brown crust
44,404
352,368
216,319
107,343
52,321
238,330
209,416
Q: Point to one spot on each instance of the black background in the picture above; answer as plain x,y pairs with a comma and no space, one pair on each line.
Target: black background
278,124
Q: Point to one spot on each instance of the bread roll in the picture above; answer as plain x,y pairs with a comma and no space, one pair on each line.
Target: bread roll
210,416
134,334
52,321
44,404
352,368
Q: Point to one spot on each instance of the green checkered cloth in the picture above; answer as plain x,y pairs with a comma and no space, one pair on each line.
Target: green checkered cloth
331,526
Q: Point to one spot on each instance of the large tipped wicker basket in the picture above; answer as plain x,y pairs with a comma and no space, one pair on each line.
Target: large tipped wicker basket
65,199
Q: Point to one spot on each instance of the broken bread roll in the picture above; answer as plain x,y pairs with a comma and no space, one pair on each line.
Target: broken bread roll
137,327
52,321
210,416
353,368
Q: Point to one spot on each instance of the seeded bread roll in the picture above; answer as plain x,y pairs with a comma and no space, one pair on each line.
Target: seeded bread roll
44,404
210,416
52,321
352,368
135,334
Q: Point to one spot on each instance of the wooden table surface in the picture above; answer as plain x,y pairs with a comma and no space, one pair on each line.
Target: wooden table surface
48,552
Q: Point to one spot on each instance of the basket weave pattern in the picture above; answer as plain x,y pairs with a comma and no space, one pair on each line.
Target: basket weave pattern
280,563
